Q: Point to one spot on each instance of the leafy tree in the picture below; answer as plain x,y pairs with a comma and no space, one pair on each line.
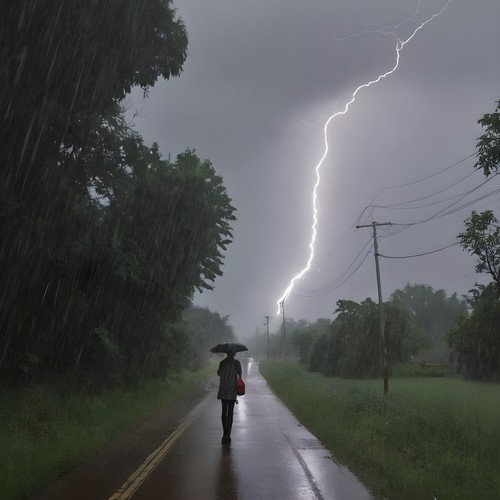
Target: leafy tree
482,238
103,241
488,145
434,313
304,334
476,339
64,66
115,291
167,238
204,329
356,345
405,337
353,345
318,359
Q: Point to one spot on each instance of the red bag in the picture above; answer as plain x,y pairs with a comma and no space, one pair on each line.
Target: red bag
240,387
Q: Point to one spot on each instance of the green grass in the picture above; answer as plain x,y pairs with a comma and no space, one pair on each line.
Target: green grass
422,370
45,432
428,438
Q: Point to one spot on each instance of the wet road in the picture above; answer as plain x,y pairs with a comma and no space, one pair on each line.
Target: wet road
271,456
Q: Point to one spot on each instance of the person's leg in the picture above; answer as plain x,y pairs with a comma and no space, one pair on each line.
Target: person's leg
224,417
229,422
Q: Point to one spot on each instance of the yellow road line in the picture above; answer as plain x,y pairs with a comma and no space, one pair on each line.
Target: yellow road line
130,486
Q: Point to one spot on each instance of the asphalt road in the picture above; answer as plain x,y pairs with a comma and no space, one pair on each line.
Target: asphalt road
178,455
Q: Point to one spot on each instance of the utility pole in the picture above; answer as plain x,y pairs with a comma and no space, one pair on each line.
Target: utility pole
374,225
267,325
284,329
256,340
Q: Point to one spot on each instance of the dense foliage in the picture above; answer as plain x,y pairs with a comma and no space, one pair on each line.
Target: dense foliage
435,313
416,322
482,239
303,334
204,329
103,240
476,339
353,348
488,145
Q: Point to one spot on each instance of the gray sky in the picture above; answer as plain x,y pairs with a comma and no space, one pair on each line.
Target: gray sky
261,79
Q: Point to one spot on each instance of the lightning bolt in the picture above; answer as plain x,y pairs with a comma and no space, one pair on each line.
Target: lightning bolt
400,44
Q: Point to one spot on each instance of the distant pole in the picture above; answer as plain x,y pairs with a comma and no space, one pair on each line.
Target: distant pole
256,340
284,329
380,307
267,324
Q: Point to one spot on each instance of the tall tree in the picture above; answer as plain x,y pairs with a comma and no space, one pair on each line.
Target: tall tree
476,339
488,145
103,241
482,239
353,347
115,292
303,334
433,310
62,65
204,329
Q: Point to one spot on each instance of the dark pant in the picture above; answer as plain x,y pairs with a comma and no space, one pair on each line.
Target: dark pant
227,416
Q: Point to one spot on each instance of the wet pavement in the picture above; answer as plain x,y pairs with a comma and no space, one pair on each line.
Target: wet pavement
271,456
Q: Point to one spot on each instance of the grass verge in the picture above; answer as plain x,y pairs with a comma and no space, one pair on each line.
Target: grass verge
45,432
429,438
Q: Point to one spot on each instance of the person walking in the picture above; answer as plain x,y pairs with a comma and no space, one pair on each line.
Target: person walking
228,372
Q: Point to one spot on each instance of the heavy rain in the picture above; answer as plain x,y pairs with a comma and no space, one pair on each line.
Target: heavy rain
160,189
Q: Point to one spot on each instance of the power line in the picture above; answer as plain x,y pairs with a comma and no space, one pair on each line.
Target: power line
432,175
446,211
415,182
465,195
400,205
472,202
419,254
370,205
405,226
332,285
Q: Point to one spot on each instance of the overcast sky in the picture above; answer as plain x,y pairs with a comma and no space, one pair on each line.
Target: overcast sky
261,79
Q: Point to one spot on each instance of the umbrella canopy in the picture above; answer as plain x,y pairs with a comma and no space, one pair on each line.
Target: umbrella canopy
228,347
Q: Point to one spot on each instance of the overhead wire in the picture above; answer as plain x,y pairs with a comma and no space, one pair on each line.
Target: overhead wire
418,254
399,205
435,174
417,181
335,286
444,212
332,285
449,210
404,226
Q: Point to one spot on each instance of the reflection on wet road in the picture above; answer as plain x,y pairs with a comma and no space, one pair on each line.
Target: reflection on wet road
226,480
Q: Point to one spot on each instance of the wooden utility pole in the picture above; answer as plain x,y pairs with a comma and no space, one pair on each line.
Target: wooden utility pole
374,225
284,329
267,325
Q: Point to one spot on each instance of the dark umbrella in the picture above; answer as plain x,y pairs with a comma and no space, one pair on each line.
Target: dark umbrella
229,346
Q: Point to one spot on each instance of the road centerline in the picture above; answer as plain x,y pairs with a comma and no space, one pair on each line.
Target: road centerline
130,486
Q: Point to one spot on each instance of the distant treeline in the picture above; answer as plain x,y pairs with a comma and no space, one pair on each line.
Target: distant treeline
102,241
421,325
